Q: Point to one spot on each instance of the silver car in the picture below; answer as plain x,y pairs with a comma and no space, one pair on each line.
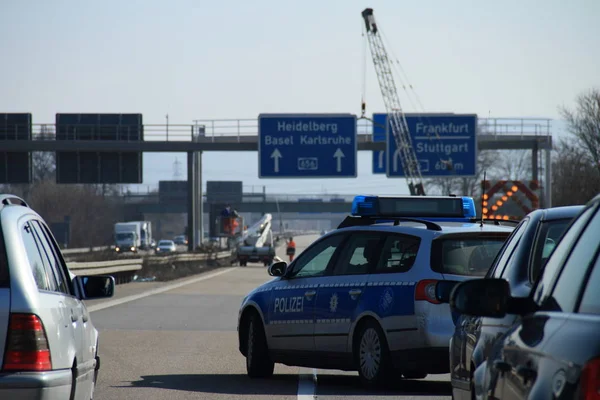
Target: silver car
166,246
48,344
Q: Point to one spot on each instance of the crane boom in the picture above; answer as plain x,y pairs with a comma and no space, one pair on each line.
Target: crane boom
397,121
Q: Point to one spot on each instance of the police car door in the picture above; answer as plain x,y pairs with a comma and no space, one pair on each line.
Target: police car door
291,311
339,296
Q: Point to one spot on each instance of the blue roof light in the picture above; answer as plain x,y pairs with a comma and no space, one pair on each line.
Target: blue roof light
365,206
448,208
469,210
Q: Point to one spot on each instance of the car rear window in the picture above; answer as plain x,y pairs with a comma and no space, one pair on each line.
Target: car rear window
4,275
469,254
550,234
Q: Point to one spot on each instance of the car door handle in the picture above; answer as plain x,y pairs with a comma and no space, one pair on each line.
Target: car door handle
502,366
355,292
310,293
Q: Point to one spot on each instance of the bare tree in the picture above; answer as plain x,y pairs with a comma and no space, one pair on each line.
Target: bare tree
575,180
44,163
584,124
515,164
466,186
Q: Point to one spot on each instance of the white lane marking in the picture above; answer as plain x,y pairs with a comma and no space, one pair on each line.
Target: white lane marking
161,289
307,384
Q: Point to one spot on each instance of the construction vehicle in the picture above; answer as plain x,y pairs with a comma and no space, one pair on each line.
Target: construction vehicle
396,117
256,243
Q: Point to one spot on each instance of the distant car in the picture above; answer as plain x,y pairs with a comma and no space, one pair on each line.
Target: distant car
180,240
166,246
49,346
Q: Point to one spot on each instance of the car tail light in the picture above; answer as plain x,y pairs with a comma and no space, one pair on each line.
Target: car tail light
26,345
425,290
589,381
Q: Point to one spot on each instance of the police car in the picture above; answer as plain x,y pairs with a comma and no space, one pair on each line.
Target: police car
362,297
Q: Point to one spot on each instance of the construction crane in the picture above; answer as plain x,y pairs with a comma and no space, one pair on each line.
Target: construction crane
397,120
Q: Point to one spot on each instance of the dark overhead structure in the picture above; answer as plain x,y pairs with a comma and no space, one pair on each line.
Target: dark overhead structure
99,166
15,166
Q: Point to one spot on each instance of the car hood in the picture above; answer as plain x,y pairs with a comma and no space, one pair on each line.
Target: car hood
264,286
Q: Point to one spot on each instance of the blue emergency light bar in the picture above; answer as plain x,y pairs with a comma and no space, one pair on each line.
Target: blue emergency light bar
448,208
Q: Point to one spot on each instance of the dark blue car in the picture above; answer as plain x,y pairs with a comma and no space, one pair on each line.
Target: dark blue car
519,262
552,351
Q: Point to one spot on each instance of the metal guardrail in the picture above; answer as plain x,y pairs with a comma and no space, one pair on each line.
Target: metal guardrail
239,129
105,267
188,257
135,264
86,249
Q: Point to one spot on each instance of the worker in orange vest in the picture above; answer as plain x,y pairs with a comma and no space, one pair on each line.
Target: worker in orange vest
291,249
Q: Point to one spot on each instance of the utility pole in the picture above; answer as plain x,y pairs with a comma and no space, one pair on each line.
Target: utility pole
167,118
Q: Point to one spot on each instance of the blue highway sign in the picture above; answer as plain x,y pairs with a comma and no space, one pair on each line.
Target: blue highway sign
445,144
307,146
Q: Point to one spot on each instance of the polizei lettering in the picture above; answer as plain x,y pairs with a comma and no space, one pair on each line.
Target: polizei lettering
289,304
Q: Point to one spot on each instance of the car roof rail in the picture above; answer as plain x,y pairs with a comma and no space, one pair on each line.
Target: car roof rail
366,221
497,222
7,199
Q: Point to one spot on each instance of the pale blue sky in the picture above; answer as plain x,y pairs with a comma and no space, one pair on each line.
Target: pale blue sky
236,59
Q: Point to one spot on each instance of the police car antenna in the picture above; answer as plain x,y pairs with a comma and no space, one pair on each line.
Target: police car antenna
482,198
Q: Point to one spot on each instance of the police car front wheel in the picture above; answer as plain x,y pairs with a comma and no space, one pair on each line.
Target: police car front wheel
372,355
258,362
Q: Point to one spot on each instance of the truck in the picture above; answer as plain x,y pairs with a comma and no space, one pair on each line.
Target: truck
127,237
256,243
146,239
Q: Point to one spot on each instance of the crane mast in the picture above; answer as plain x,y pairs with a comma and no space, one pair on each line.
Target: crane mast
397,121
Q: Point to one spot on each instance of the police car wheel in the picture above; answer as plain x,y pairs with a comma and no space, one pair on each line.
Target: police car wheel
258,362
372,354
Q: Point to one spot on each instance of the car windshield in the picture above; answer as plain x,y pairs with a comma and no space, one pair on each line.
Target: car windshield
165,243
466,254
124,236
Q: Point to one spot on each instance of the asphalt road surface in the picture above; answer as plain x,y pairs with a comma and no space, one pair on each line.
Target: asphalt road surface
178,340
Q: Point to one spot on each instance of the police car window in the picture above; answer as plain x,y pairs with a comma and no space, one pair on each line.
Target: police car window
466,254
361,252
314,261
568,286
590,303
508,250
556,260
398,253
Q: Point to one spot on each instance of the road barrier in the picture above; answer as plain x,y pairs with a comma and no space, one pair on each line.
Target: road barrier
124,269
181,257
106,267
86,249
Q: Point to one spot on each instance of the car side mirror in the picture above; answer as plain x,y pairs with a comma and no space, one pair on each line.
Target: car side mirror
481,298
278,268
443,290
95,286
